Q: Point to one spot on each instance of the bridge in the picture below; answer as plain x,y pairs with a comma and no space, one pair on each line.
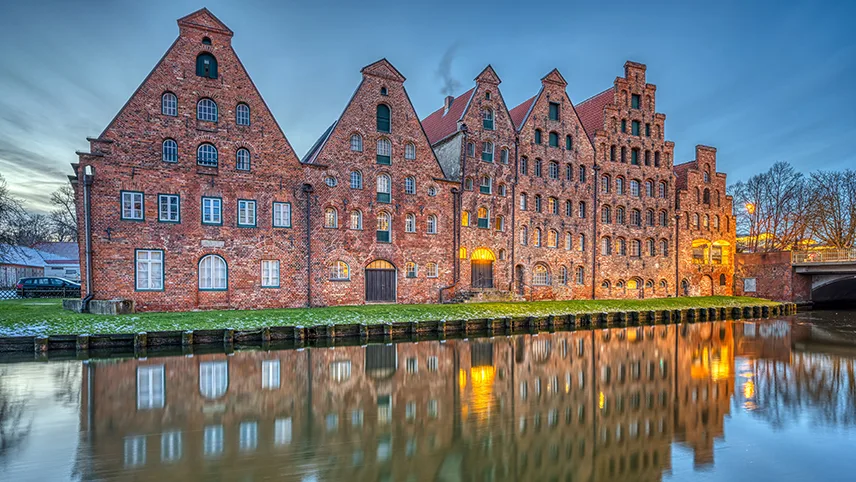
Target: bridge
832,272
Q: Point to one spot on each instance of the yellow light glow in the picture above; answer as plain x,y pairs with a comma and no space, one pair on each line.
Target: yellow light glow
750,208
749,389
462,253
462,379
601,400
483,254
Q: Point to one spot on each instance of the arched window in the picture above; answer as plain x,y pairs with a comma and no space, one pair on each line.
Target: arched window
716,221
552,238
661,191
213,379
383,118
580,275
384,151
242,160
569,208
524,204
487,119
384,186
213,273
569,172
569,241
706,196
503,190
695,220
538,203
685,287
206,65
652,247
471,149
537,136
242,114
331,218
554,139
502,255
356,143
524,235
206,110
503,156
356,219
538,165
524,165
606,246
706,173
706,221
605,183
664,284
169,151
664,218
664,248
540,275
634,188
340,271
356,180
432,224
635,217
468,184
410,185
431,270
649,217
410,151
619,215
169,104
499,223
206,155
582,242
657,156
410,223
486,186
722,280
621,247
605,215
605,285
569,143
582,174
649,188
536,237
553,170
553,205
563,275
384,227
410,269
465,218
619,284
619,185
482,215
582,210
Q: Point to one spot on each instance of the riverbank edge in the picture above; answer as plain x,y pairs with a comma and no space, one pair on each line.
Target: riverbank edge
143,344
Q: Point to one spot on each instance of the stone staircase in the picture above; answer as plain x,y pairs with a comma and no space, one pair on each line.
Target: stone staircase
486,295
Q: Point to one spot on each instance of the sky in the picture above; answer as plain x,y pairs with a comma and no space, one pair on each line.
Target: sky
762,81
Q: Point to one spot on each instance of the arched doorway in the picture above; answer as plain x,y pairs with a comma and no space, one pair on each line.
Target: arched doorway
518,279
706,286
481,263
380,281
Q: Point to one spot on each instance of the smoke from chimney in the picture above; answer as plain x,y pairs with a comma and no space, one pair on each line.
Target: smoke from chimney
444,71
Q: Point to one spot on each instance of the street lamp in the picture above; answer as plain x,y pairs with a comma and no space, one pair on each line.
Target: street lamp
750,208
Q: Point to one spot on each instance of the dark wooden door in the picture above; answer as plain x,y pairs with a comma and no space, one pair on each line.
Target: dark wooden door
380,285
482,274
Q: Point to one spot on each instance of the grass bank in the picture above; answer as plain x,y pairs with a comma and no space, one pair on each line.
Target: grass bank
46,316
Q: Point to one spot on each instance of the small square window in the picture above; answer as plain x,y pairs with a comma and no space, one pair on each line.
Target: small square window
281,215
132,206
212,210
270,274
168,208
246,213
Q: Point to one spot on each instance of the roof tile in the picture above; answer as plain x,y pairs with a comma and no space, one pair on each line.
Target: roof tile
438,125
591,111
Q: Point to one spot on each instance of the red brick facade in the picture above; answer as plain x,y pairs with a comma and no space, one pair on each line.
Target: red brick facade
198,200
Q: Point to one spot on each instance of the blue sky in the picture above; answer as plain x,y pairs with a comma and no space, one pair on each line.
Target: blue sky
762,81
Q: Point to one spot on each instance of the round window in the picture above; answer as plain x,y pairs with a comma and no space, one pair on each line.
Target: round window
330,181
432,191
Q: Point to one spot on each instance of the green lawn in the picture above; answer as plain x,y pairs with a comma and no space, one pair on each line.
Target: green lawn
46,316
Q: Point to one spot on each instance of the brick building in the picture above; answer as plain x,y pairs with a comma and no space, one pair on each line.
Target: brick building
195,199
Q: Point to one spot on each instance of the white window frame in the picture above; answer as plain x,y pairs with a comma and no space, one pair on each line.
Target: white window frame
207,112
133,206
169,104
431,224
431,270
169,151
340,271
209,273
410,151
411,270
281,215
357,219
410,185
331,218
270,273
146,269
282,432
356,180
213,379
270,374
243,160
212,210
242,114
356,143
169,215
246,213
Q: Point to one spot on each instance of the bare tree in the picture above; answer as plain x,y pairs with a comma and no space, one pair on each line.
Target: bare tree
833,207
774,207
64,216
14,427
9,210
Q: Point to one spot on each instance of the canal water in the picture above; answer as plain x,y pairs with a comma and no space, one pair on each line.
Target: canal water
735,401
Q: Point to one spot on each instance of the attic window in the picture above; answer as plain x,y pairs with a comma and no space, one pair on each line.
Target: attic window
206,41
206,66
487,95
383,91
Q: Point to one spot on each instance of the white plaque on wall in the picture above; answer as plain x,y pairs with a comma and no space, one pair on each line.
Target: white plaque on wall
210,243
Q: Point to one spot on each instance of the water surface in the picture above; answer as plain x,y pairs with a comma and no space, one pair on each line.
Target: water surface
758,400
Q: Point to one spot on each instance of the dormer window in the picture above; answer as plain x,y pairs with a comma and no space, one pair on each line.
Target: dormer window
206,66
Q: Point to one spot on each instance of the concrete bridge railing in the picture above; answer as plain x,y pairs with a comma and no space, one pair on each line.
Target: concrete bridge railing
820,256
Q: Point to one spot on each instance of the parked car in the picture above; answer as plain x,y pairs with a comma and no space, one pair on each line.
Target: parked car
47,287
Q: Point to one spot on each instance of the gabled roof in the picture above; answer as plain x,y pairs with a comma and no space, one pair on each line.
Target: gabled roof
488,76
204,19
556,77
591,111
384,69
312,154
440,125
521,112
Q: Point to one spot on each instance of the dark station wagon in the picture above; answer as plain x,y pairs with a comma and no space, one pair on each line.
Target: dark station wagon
47,287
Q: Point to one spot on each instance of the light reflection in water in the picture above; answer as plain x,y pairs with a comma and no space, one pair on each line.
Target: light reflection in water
587,405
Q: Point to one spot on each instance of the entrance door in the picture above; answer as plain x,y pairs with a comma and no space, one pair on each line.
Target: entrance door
482,274
380,281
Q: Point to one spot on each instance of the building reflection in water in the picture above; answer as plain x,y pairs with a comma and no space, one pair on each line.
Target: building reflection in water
604,404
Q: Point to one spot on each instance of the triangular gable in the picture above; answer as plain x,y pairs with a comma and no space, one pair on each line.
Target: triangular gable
383,69
440,124
488,76
555,77
205,20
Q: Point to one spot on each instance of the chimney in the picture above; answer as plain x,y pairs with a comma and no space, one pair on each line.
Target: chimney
447,104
